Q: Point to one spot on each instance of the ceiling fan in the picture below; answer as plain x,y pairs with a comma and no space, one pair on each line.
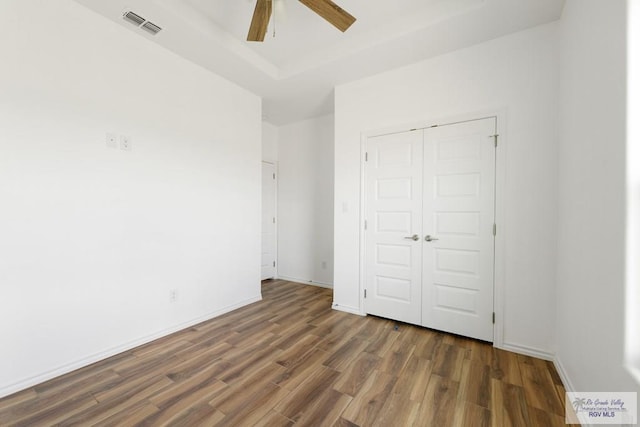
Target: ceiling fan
327,9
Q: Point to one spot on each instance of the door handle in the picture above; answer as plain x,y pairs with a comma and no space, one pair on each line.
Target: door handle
428,238
415,238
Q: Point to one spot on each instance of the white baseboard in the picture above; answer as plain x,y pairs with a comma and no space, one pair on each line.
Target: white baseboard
347,309
564,376
65,369
566,381
527,351
306,282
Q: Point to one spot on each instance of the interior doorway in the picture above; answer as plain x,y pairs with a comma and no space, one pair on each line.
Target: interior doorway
269,221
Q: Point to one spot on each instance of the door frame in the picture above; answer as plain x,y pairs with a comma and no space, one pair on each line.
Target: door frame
275,212
499,199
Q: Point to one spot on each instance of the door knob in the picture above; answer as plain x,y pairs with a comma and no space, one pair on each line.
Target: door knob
415,237
428,238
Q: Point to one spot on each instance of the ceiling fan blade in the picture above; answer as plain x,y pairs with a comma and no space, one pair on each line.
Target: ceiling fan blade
334,14
260,21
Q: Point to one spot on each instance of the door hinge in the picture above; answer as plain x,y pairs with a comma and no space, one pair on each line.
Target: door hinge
365,224
495,139
274,176
274,263
365,293
494,229
274,219
366,157
493,317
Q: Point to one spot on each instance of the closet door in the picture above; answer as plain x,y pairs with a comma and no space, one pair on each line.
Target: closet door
458,221
393,235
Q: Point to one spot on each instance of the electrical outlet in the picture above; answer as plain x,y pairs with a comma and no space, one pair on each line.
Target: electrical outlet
112,140
173,295
125,143
324,265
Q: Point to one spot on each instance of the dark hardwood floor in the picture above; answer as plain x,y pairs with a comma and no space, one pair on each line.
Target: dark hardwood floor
292,360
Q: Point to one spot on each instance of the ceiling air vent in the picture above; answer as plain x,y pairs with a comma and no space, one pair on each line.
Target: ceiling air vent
141,22
135,19
151,28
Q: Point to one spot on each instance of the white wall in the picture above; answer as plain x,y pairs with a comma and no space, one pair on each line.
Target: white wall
517,75
269,142
633,190
305,201
591,233
93,239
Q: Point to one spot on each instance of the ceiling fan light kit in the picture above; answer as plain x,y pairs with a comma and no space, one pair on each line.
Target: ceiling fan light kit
326,9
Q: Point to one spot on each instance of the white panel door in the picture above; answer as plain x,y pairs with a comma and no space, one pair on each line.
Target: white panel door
393,215
458,218
268,221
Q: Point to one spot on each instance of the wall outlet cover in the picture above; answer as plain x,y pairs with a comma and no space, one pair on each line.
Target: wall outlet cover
125,143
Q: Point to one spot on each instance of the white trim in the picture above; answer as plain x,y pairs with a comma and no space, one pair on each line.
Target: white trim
499,276
361,309
498,112
527,351
501,117
306,282
566,382
65,369
564,376
348,309
275,212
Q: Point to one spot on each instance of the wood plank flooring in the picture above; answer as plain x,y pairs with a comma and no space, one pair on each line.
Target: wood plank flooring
292,360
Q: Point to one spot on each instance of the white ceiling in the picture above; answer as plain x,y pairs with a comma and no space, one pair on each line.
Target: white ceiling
295,71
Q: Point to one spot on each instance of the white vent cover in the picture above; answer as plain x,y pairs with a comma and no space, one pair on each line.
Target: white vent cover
151,28
140,22
134,18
